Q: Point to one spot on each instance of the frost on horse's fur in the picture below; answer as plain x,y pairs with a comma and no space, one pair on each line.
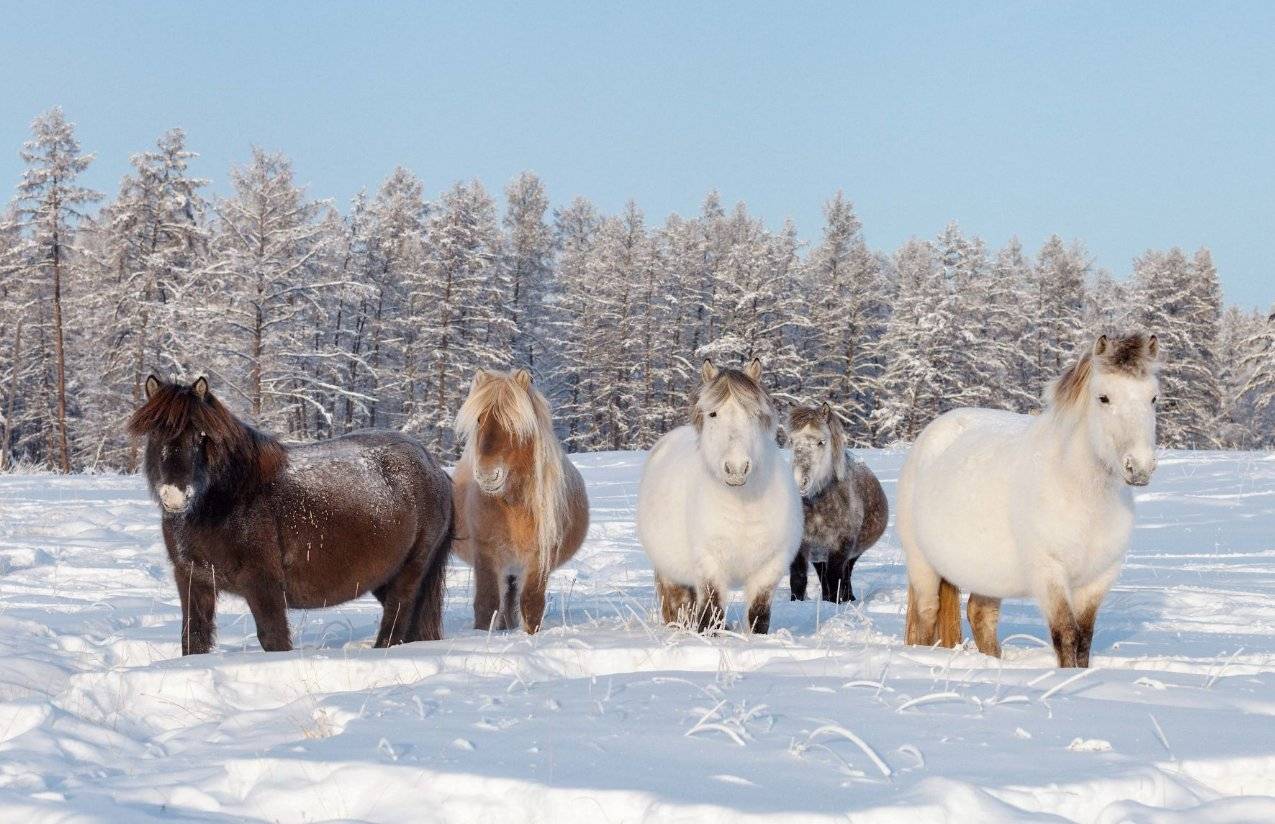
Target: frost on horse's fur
717,506
1006,505
844,506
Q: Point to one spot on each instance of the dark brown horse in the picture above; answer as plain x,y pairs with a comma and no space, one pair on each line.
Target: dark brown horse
303,527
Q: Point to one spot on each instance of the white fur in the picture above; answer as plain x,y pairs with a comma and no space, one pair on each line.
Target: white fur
699,529
173,498
1007,505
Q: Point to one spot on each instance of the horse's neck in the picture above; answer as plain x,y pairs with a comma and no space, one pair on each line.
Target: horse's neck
1069,448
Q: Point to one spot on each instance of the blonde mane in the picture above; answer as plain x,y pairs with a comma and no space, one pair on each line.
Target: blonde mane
516,406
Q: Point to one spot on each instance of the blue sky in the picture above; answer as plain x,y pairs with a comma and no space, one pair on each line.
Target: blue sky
1127,125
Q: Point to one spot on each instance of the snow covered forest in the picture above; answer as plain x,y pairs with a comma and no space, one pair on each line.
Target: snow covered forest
315,320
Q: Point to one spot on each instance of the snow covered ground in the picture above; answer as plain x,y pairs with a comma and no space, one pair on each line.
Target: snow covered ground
606,716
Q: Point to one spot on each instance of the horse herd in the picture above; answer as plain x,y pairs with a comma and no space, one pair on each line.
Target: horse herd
998,504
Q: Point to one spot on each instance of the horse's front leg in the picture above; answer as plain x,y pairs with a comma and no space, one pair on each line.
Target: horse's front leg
486,591
710,612
1087,600
534,584
268,601
1054,597
758,599
797,574
677,602
199,609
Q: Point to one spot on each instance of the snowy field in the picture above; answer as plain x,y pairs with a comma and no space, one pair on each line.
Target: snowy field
607,717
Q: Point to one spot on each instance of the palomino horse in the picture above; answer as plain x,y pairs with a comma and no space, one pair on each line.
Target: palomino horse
521,507
844,504
717,506
1007,505
303,526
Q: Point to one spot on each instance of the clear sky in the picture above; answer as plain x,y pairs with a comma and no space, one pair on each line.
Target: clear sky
1127,125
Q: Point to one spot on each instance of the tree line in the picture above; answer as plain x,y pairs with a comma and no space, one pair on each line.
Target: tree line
315,321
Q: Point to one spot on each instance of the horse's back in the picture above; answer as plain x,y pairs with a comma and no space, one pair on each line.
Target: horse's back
876,509
377,476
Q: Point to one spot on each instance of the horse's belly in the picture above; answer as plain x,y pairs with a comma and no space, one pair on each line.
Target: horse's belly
959,512
335,550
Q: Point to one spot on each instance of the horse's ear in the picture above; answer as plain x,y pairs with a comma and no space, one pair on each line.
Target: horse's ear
201,387
523,378
480,377
753,369
152,386
708,372
826,411
1100,346
1153,347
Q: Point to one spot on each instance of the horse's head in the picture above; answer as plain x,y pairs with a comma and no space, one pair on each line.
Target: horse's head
172,421
192,440
818,448
1115,385
500,423
735,419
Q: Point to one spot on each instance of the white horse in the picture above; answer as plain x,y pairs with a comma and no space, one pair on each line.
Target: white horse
717,507
1007,505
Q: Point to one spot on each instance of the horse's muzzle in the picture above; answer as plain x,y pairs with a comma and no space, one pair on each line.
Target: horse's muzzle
173,499
492,483
1135,475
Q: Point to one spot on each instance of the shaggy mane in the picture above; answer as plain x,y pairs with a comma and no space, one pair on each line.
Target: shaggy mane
812,416
173,410
732,383
1128,355
524,413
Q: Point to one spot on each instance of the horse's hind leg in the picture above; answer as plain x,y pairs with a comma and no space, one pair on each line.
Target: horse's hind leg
797,574
984,614
510,585
923,602
835,581
676,601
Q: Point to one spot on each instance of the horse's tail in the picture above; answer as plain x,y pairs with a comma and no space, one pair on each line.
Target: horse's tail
949,617
434,583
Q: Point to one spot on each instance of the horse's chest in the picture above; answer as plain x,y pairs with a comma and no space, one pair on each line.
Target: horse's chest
828,519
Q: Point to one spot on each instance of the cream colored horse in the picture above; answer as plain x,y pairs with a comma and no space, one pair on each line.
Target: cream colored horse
1007,506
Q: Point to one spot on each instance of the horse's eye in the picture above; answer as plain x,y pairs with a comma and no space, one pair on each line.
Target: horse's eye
1154,398
1104,399
821,443
712,414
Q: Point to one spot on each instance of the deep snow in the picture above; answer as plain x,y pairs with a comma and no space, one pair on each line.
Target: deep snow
606,716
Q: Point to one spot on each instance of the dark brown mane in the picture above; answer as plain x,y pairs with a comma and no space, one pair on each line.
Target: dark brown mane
174,409
1134,355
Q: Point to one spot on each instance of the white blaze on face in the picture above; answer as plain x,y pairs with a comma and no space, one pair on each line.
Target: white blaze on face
729,441
172,497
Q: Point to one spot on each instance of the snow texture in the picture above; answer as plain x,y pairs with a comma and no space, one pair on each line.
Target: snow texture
606,716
